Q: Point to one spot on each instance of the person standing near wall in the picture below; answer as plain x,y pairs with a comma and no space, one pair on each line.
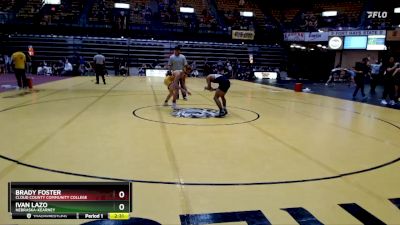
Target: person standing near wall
18,61
2,64
99,66
375,71
396,78
388,82
7,61
361,69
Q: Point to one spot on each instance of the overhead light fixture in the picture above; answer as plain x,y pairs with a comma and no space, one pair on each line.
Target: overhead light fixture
321,31
246,14
311,49
303,47
397,10
324,47
52,2
329,13
186,10
319,45
121,6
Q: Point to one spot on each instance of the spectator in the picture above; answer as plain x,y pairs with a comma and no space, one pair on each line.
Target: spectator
388,82
396,78
375,71
67,71
335,73
207,68
2,65
136,9
28,63
82,67
117,65
86,68
58,67
142,70
7,61
123,69
155,63
43,69
361,70
195,72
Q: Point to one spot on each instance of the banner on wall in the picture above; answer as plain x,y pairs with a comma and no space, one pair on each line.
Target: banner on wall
357,32
324,36
316,36
296,36
393,35
243,34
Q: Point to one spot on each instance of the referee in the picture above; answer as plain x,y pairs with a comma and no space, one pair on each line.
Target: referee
99,66
176,63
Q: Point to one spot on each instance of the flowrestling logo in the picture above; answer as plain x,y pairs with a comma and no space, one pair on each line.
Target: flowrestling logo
377,14
201,113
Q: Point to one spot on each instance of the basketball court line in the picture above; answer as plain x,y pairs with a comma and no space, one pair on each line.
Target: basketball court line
341,175
328,107
184,200
341,127
352,131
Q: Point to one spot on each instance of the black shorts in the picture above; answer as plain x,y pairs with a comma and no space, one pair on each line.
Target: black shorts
224,84
99,69
396,79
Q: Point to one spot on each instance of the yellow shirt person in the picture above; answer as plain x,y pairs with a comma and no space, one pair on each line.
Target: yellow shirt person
19,60
168,80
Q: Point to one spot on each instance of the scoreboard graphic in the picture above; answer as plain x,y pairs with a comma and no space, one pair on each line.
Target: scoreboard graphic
70,200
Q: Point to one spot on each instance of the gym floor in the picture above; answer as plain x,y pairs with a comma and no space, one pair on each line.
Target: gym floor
278,157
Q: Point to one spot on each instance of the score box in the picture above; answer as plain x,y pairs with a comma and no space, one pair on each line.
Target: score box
47,198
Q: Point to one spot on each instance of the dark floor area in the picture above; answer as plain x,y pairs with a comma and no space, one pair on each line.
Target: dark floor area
9,82
338,90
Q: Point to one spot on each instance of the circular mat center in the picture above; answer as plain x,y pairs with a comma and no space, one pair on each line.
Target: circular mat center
196,113
186,114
